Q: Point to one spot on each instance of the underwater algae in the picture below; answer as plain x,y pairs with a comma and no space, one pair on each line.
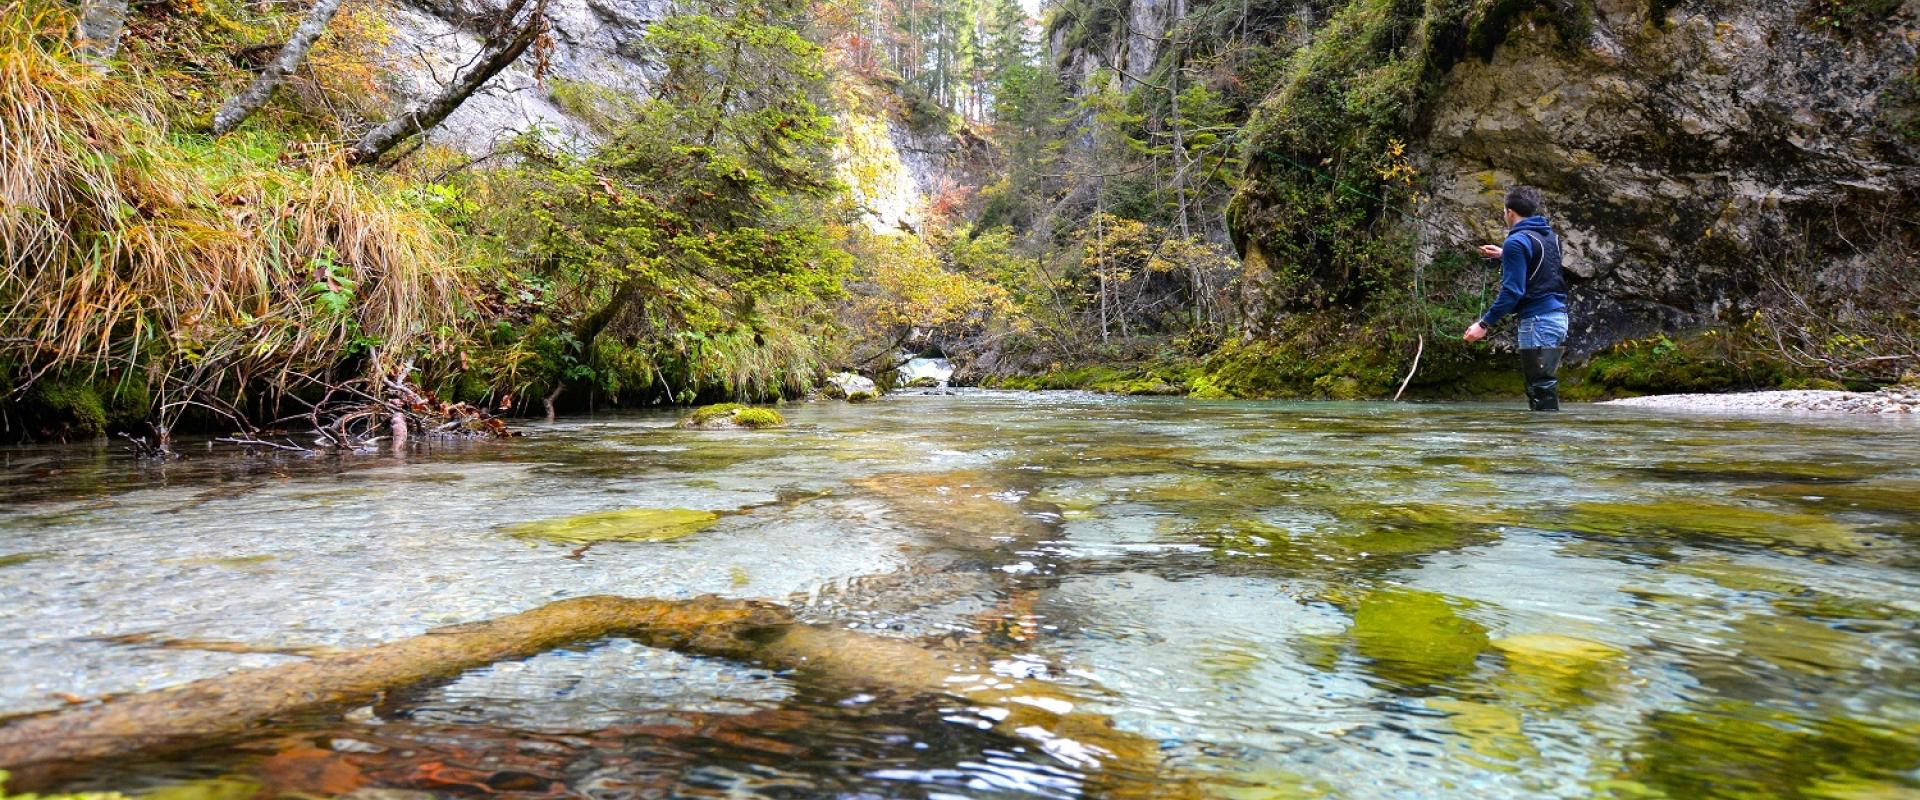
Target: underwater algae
624,525
1415,637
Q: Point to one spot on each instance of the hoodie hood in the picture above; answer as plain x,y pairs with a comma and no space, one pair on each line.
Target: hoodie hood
1533,223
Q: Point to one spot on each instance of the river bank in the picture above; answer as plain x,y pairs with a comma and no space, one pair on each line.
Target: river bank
1892,400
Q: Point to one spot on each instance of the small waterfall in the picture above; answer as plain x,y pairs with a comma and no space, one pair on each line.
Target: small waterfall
918,370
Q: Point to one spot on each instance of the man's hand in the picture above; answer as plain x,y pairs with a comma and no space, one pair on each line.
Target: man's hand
1475,333
1490,250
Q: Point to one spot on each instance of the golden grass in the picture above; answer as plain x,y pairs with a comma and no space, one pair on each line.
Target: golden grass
123,244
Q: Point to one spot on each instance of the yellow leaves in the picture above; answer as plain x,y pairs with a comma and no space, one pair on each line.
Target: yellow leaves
911,287
1399,168
1122,248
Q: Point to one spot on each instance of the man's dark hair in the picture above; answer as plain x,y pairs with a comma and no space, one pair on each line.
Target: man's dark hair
1524,200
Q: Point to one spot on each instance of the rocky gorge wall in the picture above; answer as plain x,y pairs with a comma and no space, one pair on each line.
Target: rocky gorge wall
1691,157
1700,158
593,55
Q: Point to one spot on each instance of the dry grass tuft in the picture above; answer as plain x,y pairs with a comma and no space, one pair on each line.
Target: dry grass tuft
126,246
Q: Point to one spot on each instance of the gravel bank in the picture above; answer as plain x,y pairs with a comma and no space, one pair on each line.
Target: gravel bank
1891,400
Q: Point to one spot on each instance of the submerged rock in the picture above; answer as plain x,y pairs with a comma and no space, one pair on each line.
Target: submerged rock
1415,637
734,415
964,510
1558,669
625,525
1490,736
1684,517
1800,645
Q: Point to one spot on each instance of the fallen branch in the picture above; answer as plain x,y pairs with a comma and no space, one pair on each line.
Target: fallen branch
215,708
1115,764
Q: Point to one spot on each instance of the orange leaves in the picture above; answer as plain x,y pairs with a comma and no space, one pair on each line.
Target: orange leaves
310,770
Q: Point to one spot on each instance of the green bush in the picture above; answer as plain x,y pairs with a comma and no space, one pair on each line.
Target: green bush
1705,362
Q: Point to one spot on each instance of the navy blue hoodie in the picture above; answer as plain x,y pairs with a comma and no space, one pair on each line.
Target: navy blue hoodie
1549,290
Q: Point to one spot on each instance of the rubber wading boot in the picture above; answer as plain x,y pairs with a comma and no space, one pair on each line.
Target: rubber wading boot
1541,365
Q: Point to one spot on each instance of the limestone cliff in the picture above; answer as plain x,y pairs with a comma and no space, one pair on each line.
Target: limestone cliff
1124,39
1697,156
592,53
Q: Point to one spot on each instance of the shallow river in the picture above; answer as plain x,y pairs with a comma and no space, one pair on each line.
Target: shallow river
1226,599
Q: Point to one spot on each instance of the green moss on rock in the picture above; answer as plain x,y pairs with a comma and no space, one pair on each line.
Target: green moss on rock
77,404
758,418
1415,637
734,415
1686,517
1311,358
81,406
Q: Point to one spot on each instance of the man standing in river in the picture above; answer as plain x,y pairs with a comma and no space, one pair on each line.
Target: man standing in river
1533,289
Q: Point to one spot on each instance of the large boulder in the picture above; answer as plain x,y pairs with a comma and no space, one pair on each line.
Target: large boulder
847,385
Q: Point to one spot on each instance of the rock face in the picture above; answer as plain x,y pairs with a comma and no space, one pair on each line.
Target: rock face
1703,159
895,169
596,48
1690,160
1129,51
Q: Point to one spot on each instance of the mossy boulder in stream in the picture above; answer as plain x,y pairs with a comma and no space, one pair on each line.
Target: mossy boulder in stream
1686,517
1415,637
1740,749
1558,670
1800,645
625,525
1489,736
734,415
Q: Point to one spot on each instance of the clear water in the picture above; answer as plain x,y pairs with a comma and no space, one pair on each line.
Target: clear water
1283,600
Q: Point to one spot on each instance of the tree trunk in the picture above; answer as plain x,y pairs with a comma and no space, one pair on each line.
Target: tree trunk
519,26
292,55
97,36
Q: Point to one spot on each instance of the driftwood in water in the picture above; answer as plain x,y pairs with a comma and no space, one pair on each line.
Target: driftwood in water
1117,764
192,714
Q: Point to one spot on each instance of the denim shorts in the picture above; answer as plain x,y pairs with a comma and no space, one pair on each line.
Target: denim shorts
1545,330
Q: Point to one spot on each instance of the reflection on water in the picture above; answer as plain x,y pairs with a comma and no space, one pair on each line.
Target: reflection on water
1261,600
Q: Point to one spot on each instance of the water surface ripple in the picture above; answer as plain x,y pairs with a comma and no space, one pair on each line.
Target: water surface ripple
1279,600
